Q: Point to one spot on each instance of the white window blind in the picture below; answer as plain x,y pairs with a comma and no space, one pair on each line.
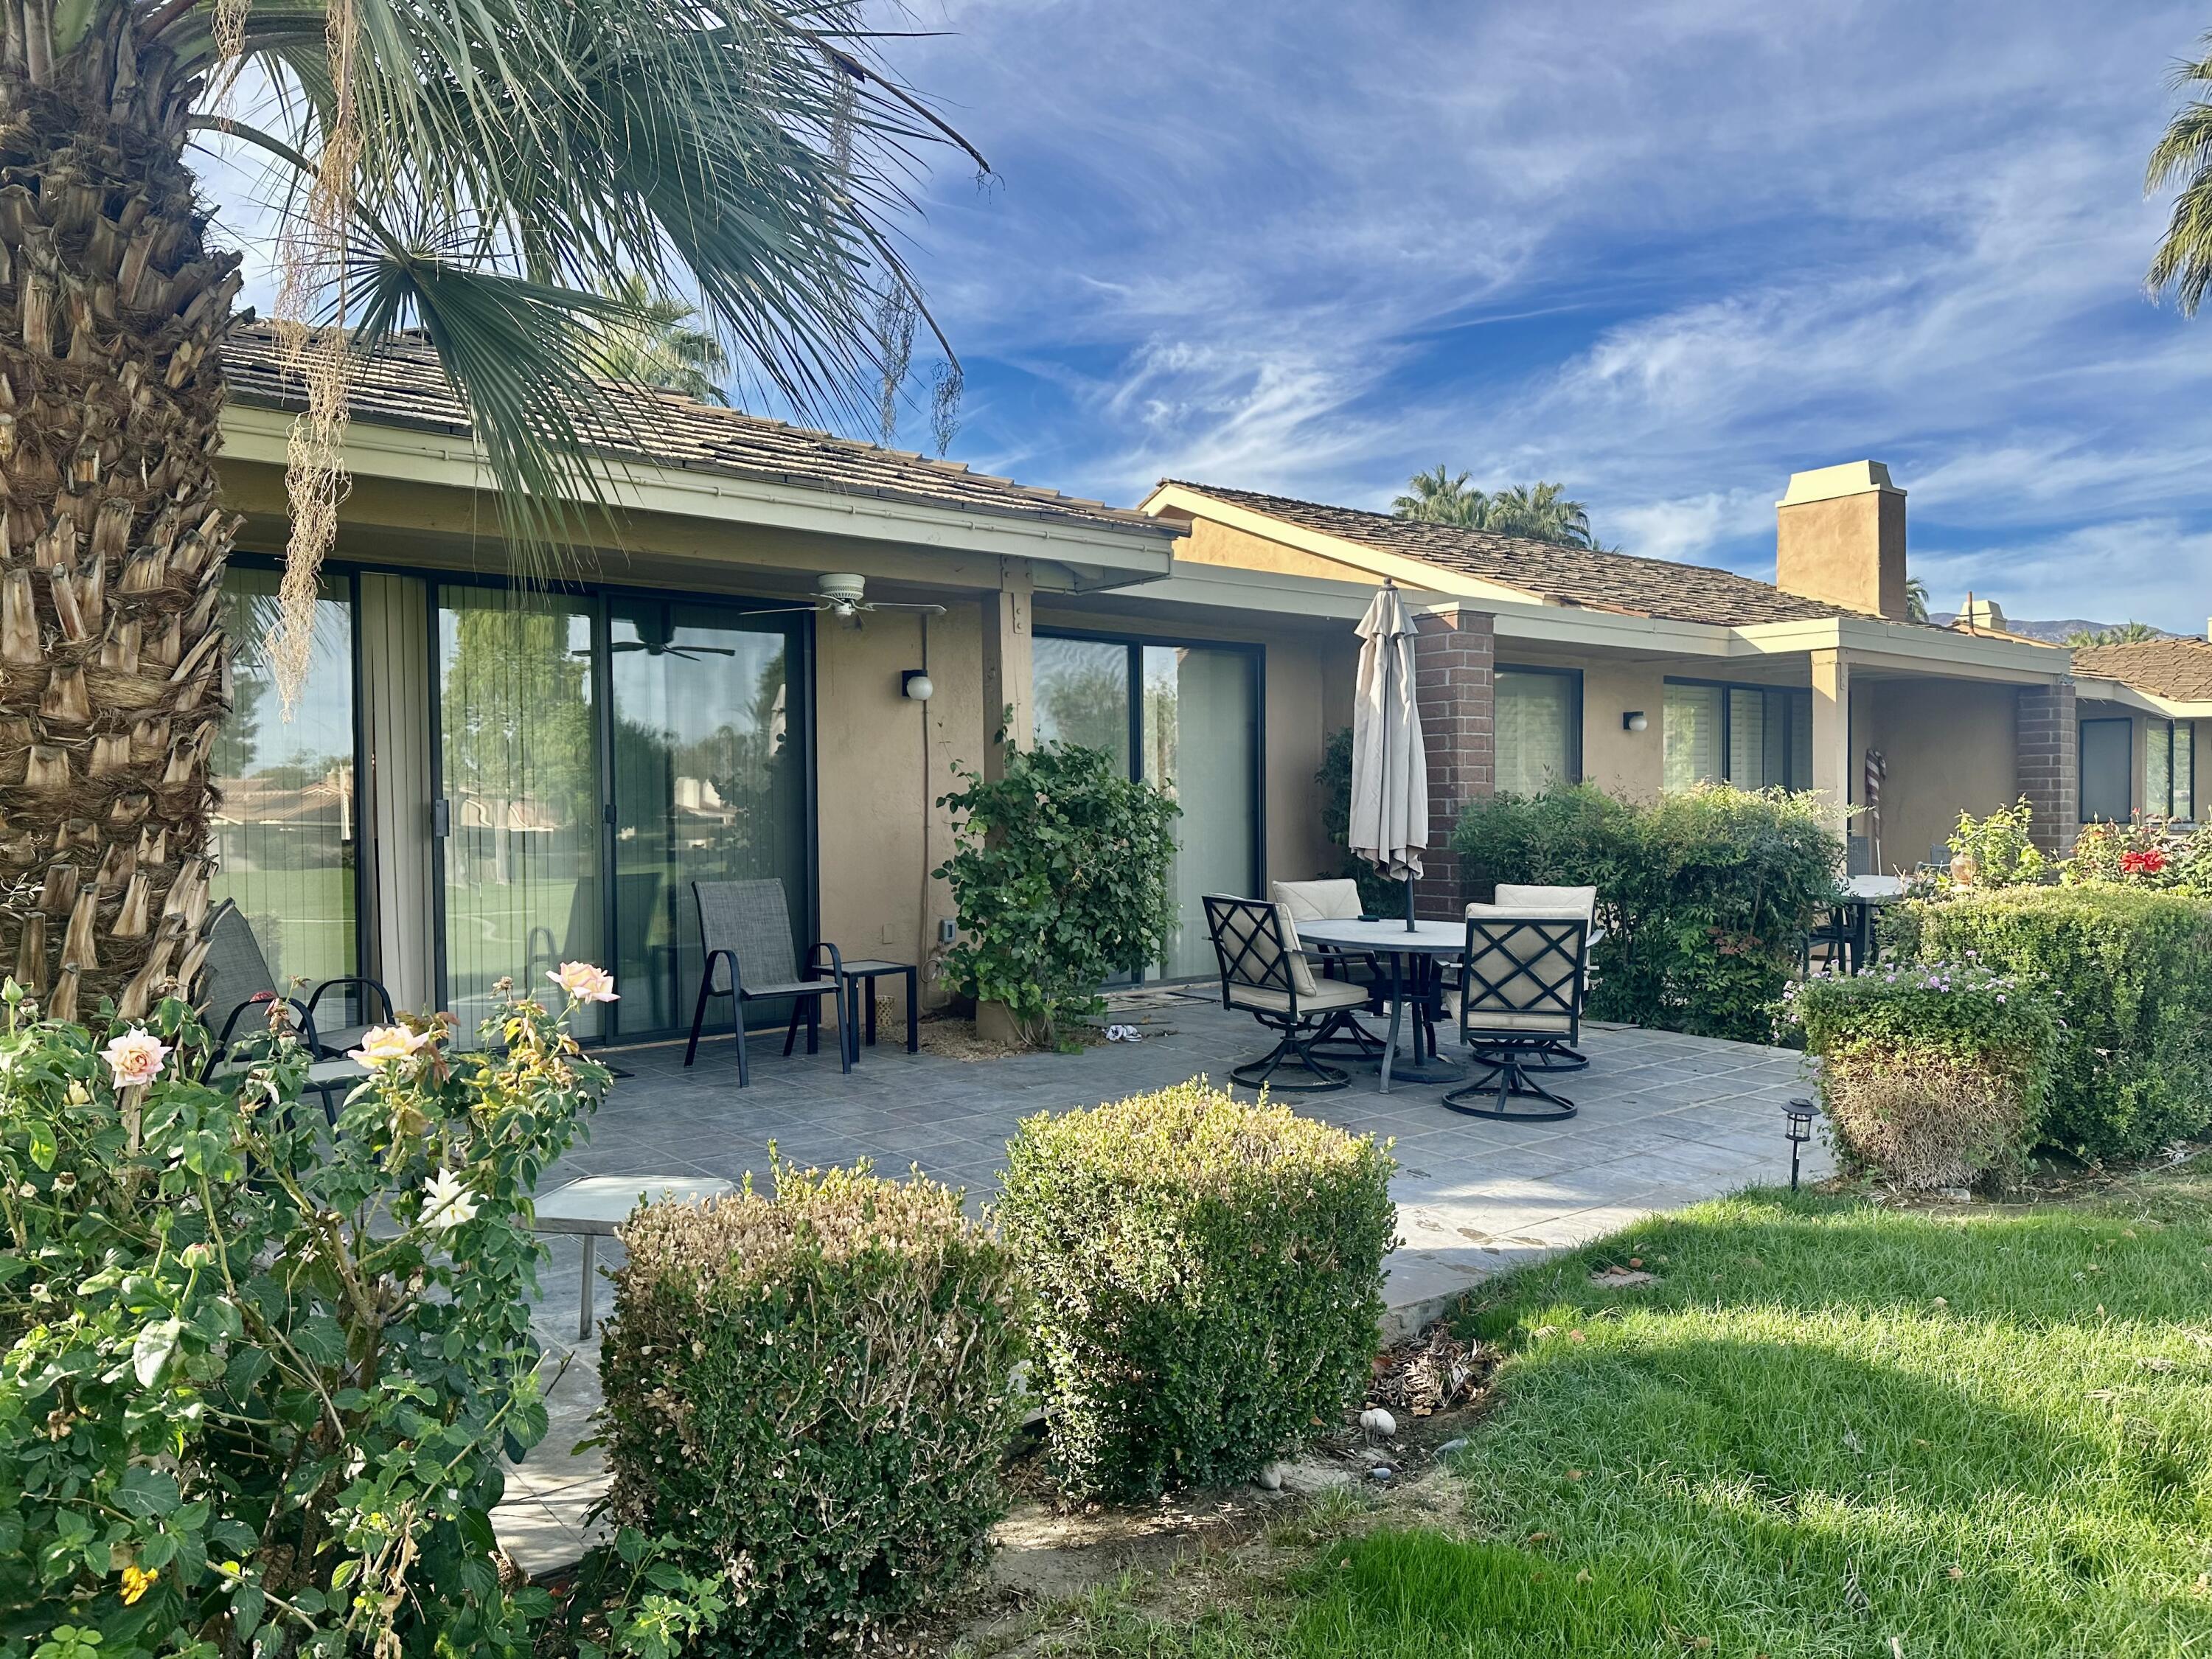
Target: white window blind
1534,726
1693,735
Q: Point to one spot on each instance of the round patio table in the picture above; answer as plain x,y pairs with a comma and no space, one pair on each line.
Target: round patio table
1427,940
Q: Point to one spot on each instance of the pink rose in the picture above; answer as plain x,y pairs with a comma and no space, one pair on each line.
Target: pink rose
136,1057
582,983
383,1045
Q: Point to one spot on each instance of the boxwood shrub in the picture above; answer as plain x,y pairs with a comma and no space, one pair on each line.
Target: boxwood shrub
2128,971
811,1396
1936,1075
1704,894
1207,1282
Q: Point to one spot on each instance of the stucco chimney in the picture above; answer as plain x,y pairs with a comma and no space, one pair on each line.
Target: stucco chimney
1839,539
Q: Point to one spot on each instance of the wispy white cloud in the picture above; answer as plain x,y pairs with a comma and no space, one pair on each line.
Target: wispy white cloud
1668,255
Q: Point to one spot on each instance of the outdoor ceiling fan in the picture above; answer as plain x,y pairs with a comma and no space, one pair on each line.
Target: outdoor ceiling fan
843,593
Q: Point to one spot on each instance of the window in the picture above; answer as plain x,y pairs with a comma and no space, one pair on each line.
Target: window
1192,727
1539,728
284,833
2169,768
2107,748
1755,736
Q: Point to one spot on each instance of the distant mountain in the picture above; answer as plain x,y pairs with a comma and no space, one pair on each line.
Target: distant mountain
2056,632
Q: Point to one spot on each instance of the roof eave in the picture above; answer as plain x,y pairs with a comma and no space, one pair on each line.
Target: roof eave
440,454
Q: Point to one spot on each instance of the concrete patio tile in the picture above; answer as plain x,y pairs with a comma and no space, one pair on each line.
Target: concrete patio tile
1664,1121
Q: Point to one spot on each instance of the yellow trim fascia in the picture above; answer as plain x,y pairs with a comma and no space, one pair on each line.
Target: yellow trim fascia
256,434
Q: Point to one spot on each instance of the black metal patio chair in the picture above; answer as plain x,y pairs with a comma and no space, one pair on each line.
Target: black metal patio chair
747,926
1337,899
239,979
239,989
1520,991
1264,973
1529,899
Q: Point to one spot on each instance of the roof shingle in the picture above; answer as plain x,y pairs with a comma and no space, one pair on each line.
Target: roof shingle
403,386
1573,575
2179,669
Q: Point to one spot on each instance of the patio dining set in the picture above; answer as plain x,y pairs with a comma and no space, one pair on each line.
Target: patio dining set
1511,981
1310,965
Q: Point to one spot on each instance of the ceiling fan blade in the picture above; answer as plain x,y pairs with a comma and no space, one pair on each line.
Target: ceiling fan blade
892,604
783,609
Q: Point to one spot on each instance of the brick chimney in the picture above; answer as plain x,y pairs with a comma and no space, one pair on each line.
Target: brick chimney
1839,539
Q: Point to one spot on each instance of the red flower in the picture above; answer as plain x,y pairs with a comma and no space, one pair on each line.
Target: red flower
2148,862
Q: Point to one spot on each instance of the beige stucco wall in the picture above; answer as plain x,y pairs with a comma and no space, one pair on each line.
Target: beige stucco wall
1212,543
1951,746
881,763
1630,765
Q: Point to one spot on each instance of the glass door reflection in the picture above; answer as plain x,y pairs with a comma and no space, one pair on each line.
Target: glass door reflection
709,785
520,814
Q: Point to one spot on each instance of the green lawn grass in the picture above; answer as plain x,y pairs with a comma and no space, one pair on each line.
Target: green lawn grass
1978,1432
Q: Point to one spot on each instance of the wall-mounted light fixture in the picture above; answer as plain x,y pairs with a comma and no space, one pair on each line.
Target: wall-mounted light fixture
916,683
1633,720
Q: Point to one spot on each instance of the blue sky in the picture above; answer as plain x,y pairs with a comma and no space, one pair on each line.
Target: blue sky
1667,252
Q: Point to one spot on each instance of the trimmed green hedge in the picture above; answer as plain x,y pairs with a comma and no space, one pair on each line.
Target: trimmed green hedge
1206,1279
811,1396
1705,895
2129,972
1935,1074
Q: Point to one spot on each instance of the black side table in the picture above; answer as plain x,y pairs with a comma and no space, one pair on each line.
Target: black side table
860,979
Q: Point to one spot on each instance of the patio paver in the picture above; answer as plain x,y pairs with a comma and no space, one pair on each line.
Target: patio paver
1665,1119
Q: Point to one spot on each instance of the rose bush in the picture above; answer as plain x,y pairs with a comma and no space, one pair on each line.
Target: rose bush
250,1399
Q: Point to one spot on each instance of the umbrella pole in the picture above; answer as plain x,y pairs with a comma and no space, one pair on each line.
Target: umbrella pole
1409,904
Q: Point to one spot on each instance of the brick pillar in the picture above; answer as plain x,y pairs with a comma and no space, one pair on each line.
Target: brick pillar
1453,683
2050,763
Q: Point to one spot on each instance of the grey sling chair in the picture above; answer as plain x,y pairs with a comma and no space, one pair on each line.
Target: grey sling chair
238,986
746,926
1519,995
1264,973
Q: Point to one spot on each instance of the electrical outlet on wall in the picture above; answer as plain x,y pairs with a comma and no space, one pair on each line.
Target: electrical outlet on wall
887,934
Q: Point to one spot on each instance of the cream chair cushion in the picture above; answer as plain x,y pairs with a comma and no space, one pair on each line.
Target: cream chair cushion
1327,994
1507,1021
1259,959
1548,900
1336,900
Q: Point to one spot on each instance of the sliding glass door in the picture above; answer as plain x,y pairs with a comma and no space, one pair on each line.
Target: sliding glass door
519,818
658,741
1186,717
709,785
285,834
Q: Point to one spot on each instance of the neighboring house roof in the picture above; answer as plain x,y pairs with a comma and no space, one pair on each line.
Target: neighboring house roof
2177,669
1572,575
403,386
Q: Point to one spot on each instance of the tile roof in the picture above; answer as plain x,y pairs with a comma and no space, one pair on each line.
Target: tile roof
2179,669
403,386
1575,575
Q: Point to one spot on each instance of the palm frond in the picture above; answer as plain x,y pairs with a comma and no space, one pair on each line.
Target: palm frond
748,153
509,348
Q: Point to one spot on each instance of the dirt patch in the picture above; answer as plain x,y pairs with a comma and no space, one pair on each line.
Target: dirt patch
1050,1552
952,1037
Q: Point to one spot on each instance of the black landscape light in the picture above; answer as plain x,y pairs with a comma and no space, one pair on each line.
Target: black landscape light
1799,1116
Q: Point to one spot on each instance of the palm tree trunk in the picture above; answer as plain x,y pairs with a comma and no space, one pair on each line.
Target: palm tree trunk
113,675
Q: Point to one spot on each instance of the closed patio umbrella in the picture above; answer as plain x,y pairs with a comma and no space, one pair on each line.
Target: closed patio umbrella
1390,771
